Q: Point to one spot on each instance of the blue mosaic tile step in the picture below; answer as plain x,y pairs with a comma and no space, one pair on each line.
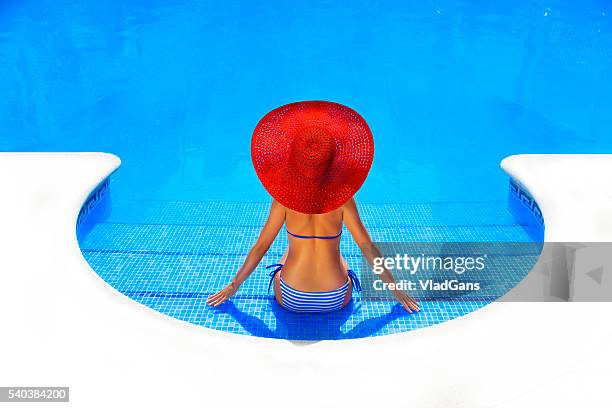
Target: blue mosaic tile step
179,285
254,214
173,263
181,275
238,240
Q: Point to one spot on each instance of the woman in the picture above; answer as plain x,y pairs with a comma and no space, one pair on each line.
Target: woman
312,157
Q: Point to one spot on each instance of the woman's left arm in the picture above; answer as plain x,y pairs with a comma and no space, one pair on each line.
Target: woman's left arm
275,221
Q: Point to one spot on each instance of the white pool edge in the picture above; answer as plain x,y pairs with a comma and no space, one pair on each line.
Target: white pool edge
66,326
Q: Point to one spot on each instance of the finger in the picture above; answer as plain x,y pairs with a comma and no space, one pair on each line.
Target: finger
401,298
215,298
409,303
221,300
406,306
215,302
413,304
215,295
212,298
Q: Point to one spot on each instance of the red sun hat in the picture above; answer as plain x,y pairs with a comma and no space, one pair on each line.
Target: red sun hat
312,156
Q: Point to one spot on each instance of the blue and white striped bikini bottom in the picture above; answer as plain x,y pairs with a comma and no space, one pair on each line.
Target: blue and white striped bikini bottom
313,302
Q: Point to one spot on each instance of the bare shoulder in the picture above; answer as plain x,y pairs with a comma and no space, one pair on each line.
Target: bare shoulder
277,205
277,209
350,206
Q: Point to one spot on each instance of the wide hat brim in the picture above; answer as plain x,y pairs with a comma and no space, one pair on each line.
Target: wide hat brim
312,156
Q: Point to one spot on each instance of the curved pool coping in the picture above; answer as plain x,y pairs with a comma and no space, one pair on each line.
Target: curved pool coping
573,191
69,327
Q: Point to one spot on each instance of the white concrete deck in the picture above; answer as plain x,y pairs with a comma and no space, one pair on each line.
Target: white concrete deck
64,326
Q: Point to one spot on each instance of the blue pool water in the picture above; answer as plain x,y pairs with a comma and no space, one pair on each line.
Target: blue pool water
175,89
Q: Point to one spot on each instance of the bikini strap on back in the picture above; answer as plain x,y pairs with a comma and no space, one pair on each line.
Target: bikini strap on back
314,236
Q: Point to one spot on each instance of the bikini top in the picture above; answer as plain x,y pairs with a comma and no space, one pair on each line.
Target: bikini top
314,236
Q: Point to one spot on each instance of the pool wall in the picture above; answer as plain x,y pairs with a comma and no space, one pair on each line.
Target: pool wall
526,210
95,208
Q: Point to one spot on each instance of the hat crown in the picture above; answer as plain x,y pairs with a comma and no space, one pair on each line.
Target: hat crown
313,150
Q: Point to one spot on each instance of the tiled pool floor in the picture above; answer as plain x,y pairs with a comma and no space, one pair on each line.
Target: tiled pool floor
170,255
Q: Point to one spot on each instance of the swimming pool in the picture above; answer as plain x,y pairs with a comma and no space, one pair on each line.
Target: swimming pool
449,89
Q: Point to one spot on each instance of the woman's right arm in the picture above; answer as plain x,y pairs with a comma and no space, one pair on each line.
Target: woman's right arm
370,251
275,221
